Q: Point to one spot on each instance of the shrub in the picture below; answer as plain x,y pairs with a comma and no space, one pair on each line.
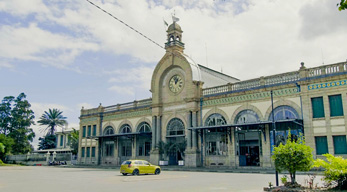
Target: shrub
335,170
293,156
284,179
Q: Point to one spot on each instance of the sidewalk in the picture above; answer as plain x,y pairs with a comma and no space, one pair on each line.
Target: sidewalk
256,170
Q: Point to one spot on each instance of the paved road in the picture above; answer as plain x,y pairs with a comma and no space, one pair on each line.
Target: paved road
58,179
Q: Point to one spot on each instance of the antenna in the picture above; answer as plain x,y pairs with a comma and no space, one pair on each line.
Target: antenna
206,54
322,55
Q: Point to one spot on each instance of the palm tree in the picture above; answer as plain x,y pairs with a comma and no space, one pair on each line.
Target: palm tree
52,119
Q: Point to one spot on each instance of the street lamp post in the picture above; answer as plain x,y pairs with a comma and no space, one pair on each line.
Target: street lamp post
274,130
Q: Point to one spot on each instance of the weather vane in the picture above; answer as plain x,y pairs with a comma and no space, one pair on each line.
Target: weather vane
174,18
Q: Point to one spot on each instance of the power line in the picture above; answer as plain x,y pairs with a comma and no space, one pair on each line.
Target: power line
125,24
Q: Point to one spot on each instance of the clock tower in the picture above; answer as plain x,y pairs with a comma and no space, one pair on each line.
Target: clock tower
176,88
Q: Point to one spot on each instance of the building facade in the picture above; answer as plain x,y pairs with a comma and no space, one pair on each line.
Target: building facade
206,118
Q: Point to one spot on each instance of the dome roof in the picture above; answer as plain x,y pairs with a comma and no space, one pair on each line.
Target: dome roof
174,26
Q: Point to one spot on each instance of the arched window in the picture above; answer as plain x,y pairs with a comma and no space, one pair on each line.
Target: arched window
284,112
175,127
144,127
109,130
246,116
125,129
215,119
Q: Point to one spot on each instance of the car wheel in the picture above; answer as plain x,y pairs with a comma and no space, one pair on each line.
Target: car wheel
157,171
136,172
125,174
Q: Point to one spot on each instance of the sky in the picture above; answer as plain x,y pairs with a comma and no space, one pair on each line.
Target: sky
69,54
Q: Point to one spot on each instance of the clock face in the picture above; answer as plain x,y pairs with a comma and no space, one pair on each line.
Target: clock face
175,83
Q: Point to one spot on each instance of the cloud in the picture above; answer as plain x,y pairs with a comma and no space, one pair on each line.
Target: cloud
122,90
6,65
23,8
139,76
246,39
35,44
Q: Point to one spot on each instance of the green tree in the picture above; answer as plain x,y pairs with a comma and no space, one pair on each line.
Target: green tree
293,156
342,5
335,170
47,142
5,115
20,131
16,119
74,138
7,143
52,119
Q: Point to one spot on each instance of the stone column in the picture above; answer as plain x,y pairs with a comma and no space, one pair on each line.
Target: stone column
193,155
194,139
189,132
47,157
116,152
154,125
154,155
158,132
266,157
133,151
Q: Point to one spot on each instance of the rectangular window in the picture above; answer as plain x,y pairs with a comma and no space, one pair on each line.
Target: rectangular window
83,151
88,151
89,130
94,130
321,145
109,148
93,151
335,103
68,140
140,151
340,145
126,150
317,107
147,148
61,140
84,131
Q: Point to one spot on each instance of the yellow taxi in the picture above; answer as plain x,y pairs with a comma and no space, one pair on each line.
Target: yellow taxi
136,167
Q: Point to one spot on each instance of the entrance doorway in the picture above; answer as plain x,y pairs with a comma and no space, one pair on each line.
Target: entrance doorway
249,148
125,149
177,148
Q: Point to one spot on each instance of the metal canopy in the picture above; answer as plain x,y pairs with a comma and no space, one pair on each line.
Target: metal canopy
296,121
120,134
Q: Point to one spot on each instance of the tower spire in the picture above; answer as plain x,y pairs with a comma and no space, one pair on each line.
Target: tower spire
174,36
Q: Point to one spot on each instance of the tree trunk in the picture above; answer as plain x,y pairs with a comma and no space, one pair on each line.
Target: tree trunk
292,177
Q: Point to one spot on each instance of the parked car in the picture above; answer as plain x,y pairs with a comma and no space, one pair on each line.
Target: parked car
136,167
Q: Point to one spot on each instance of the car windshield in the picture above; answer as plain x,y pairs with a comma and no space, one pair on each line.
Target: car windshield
145,162
126,163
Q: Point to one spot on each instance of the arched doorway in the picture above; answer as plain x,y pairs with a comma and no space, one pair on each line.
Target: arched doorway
108,146
282,115
125,143
248,138
216,138
175,140
143,140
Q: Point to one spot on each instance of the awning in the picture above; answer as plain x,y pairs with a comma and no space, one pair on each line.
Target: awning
296,121
121,134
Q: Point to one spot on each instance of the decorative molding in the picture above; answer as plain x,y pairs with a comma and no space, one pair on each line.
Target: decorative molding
86,120
249,97
127,115
327,85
